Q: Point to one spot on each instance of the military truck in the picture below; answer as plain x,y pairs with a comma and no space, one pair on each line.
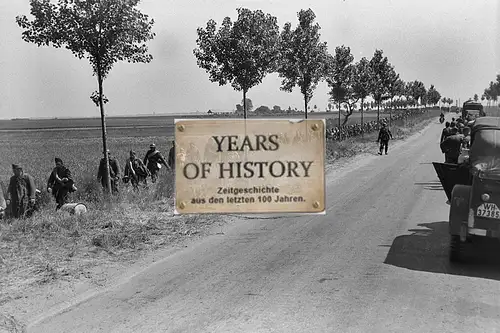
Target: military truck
472,110
473,189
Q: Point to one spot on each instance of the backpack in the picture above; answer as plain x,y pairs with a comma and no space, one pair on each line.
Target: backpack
384,134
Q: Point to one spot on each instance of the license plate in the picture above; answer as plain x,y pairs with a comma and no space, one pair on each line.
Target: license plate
488,210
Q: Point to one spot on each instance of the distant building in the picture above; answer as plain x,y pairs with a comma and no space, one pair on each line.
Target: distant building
220,112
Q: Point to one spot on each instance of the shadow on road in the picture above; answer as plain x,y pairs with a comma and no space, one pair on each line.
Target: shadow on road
427,250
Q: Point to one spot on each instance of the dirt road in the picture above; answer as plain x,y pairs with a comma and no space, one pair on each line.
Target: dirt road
377,262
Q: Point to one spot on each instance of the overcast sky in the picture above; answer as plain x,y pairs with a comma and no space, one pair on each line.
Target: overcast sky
453,44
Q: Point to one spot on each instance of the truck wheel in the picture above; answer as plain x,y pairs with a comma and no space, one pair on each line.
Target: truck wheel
459,211
456,249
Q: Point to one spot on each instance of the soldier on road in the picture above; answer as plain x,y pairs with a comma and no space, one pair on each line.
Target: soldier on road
21,192
452,146
60,183
384,136
136,171
446,132
153,161
114,173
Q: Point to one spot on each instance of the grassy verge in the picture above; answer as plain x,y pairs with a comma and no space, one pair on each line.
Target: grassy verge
52,246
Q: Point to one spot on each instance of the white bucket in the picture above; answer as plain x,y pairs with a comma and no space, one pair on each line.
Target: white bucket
74,208
463,156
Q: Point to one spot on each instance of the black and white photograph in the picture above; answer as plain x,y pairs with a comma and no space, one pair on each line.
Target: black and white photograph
249,166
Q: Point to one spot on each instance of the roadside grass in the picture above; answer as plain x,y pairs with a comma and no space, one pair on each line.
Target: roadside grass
54,245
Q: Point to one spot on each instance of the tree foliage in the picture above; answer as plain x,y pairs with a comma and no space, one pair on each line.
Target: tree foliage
433,96
416,90
249,104
395,86
303,57
240,53
363,74
341,79
104,31
263,109
493,91
244,52
380,70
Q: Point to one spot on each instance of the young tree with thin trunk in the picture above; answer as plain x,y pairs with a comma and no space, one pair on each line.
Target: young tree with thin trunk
303,58
395,87
103,31
379,82
340,77
241,53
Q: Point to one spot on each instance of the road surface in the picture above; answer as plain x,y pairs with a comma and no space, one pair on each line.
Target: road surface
377,262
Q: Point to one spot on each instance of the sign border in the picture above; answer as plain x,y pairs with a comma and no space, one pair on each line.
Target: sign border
276,214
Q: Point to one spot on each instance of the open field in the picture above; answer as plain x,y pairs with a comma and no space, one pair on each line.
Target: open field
142,121
144,125
136,127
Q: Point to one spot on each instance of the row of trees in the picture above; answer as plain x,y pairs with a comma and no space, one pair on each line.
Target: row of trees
400,103
243,52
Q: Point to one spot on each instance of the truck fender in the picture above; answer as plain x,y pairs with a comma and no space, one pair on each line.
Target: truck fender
459,208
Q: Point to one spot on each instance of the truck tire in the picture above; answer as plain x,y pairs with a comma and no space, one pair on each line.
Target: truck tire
459,212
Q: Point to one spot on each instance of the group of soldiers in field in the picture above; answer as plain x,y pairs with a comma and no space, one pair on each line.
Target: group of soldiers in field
454,137
22,197
136,171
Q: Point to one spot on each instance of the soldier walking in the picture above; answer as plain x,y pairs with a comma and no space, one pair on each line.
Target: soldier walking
114,173
384,136
446,132
452,146
136,171
21,192
153,161
60,183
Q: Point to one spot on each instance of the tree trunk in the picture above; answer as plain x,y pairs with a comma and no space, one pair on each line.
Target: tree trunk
362,102
305,105
390,113
103,117
339,115
378,115
103,126
244,104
